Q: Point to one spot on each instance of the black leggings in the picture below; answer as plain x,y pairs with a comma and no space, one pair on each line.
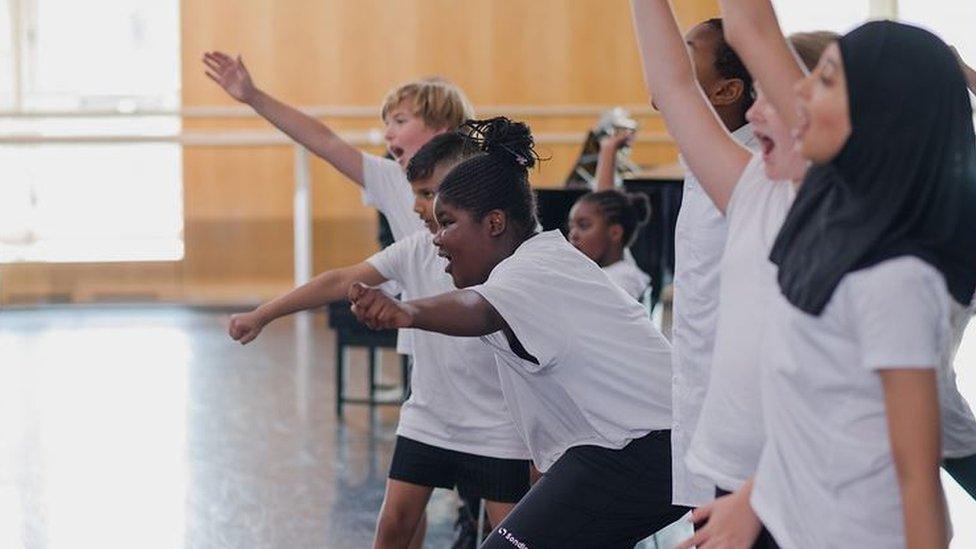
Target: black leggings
595,497
963,470
765,539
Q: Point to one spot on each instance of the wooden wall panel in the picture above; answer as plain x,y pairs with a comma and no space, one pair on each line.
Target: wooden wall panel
238,229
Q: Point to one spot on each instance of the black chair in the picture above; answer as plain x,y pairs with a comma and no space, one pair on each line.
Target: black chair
350,333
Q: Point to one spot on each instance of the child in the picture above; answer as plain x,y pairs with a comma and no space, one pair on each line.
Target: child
602,225
699,239
413,113
875,249
455,429
583,369
753,191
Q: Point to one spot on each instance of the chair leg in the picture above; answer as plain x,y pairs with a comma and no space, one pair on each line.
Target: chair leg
340,366
371,375
405,375
481,521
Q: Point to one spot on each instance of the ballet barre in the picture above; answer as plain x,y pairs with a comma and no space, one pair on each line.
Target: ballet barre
302,199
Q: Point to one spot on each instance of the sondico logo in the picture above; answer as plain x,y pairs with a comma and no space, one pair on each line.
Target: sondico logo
507,536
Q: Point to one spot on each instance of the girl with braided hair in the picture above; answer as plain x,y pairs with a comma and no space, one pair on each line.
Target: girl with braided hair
602,225
455,430
584,372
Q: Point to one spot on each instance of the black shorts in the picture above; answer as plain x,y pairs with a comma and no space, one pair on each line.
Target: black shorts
493,479
595,497
765,539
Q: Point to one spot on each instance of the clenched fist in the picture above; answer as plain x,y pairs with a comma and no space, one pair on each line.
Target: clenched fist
245,327
377,310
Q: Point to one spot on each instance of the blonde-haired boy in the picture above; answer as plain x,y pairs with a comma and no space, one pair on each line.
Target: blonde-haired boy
412,113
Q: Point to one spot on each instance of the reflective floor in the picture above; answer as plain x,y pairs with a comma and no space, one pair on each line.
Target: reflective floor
148,428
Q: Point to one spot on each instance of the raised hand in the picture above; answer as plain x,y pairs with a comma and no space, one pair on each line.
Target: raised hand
619,139
230,73
245,327
377,310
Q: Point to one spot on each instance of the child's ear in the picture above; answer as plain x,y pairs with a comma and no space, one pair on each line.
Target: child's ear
616,233
727,91
496,222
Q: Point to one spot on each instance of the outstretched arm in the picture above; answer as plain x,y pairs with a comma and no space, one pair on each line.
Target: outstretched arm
461,313
708,148
231,74
753,32
323,289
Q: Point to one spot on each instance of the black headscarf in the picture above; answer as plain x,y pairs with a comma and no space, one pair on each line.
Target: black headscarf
905,181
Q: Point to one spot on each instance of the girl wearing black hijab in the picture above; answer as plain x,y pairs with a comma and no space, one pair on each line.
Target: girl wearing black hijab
875,256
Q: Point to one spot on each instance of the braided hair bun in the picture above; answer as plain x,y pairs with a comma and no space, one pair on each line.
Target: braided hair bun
498,178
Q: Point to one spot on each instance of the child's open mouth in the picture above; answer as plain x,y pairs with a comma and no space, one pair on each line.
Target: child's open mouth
446,256
396,152
767,144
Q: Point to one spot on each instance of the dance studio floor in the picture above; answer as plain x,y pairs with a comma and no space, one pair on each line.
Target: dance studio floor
147,427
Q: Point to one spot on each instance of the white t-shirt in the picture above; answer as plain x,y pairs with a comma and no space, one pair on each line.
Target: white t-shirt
626,274
827,477
456,398
699,239
729,438
385,187
958,423
603,368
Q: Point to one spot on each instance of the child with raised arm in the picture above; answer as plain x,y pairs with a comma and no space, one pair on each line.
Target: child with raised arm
856,350
602,225
699,239
455,429
584,371
753,192
413,113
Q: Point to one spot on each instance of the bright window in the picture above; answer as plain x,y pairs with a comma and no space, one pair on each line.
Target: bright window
83,201
833,15
954,22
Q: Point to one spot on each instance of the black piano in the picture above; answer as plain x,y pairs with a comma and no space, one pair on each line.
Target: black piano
653,247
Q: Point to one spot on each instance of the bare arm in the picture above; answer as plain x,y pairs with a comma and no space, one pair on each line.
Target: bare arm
462,313
912,408
606,162
970,77
753,32
233,76
325,288
710,151
967,71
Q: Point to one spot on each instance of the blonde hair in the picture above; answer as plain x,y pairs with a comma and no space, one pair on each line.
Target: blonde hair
436,100
809,46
